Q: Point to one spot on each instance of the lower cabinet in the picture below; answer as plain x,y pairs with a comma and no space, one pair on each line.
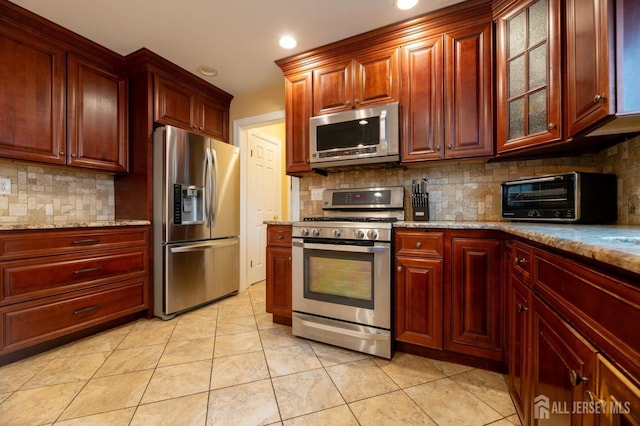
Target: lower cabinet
617,394
278,277
449,294
57,282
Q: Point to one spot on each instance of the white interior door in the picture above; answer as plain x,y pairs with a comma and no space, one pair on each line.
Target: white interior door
263,198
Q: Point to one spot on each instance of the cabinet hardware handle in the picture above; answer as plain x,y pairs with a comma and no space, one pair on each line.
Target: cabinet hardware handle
87,309
522,308
280,236
438,148
419,244
597,98
450,146
85,242
590,397
356,100
348,102
87,270
552,126
73,156
399,269
289,258
517,261
61,153
576,378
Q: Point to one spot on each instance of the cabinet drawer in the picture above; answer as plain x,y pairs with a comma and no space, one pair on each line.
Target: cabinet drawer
25,280
426,244
521,258
279,235
25,326
24,244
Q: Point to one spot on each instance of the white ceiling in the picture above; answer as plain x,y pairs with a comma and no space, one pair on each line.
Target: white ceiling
237,37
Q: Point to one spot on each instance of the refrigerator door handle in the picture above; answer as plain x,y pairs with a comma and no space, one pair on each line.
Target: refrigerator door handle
208,176
206,185
214,199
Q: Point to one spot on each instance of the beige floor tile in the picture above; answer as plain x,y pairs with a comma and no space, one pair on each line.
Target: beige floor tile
187,351
394,408
191,330
337,416
449,368
409,370
279,336
178,380
265,321
14,376
515,420
103,342
446,402
238,369
307,392
229,311
360,379
111,418
489,387
148,333
234,344
67,370
4,396
187,410
39,405
110,393
132,359
204,313
503,422
248,404
291,359
237,325
332,355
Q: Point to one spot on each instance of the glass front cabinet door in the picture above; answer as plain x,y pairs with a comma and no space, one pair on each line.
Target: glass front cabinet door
528,75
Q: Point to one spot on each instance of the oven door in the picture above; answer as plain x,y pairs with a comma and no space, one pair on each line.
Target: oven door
348,281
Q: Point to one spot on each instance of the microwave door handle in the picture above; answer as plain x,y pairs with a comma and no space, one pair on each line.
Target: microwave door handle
534,180
383,127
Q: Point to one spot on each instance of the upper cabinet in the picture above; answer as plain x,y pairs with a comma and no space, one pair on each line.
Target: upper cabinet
179,105
528,85
447,95
63,99
298,98
368,79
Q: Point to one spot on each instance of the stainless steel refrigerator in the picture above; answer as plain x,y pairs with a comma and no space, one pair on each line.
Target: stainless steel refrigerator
196,220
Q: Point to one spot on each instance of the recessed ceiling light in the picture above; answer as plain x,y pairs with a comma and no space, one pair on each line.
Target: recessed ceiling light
404,4
207,71
288,42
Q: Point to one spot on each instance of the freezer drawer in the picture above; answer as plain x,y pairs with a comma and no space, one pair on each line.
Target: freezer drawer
197,273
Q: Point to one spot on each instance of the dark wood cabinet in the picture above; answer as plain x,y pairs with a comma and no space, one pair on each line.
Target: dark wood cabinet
32,97
518,345
473,321
528,78
63,98
418,288
97,106
368,79
179,105
298,104
619,395
57,282
447,95
278,275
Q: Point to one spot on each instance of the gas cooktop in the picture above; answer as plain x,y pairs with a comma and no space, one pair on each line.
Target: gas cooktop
350,219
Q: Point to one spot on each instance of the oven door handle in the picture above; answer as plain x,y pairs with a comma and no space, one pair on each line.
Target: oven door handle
339,247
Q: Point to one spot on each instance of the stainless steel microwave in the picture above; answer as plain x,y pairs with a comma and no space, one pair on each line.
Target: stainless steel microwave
355,137
576,197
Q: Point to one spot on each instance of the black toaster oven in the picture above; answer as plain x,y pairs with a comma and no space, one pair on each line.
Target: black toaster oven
576,197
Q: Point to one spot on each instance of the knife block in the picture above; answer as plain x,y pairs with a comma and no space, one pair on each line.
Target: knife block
421,211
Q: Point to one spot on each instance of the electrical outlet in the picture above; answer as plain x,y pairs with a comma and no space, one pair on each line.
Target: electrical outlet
316,194
5,186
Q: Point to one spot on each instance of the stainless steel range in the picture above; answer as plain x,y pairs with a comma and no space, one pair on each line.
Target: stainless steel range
342,269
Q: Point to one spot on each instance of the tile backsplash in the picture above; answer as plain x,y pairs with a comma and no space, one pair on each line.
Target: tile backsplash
470,191
49,195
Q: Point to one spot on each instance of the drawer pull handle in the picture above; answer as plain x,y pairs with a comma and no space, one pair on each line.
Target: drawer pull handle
280,236
576,378
419,244
87,270
85,242
87,309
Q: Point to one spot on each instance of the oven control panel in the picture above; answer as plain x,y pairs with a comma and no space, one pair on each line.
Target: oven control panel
342,231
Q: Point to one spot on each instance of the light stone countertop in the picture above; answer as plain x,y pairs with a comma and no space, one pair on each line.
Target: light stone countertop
97,224
611,244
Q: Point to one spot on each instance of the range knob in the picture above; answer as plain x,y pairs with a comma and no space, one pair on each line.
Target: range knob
304,232
360,234
373,234
315,232
337,233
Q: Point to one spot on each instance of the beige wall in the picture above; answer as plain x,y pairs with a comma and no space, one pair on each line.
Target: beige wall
467,191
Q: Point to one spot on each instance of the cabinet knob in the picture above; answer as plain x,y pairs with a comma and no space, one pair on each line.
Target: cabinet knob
348,102
61,153
597,98
280,236
438,148
73,156
522,308
289,258
450,146
356,101
590,397
399,269
552,126
517,261
576,378
419,244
